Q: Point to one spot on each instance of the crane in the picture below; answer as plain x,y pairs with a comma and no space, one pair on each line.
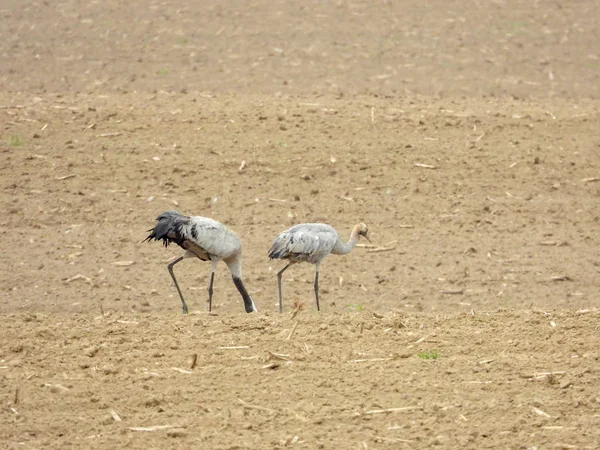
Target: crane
207,240
312,242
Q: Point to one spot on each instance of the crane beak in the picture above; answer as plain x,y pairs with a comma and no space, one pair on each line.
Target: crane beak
367,238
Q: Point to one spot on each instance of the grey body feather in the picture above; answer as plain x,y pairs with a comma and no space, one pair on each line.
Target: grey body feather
306,242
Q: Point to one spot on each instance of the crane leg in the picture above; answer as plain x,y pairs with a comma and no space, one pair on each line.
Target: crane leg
317,289
213,263
279,274
210,290
170,266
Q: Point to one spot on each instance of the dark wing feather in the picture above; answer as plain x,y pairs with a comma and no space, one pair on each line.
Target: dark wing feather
169,228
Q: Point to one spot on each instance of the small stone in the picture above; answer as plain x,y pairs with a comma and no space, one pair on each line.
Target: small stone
565,384
58,389
152,402
90,352
110,370
177,432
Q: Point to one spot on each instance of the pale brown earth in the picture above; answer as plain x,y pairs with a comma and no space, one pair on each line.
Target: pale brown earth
465,134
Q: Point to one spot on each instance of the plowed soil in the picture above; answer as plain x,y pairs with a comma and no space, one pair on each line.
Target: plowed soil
464,134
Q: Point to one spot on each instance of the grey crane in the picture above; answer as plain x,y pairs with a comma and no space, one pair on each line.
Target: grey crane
207,240
312,242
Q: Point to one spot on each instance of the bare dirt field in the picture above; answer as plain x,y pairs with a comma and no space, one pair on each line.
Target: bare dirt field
465,134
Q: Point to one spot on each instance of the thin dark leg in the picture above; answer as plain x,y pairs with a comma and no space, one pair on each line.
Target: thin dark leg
210,290
317,289
279,286
170,266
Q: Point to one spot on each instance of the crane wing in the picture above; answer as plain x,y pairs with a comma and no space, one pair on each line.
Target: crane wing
304,242
214,237
200,235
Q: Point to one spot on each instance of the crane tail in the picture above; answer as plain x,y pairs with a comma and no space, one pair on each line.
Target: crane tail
278,249
168,228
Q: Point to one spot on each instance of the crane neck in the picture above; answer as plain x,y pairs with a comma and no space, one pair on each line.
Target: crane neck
248,302
342,248
235,267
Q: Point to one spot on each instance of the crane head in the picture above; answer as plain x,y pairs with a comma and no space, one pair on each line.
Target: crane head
363,231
